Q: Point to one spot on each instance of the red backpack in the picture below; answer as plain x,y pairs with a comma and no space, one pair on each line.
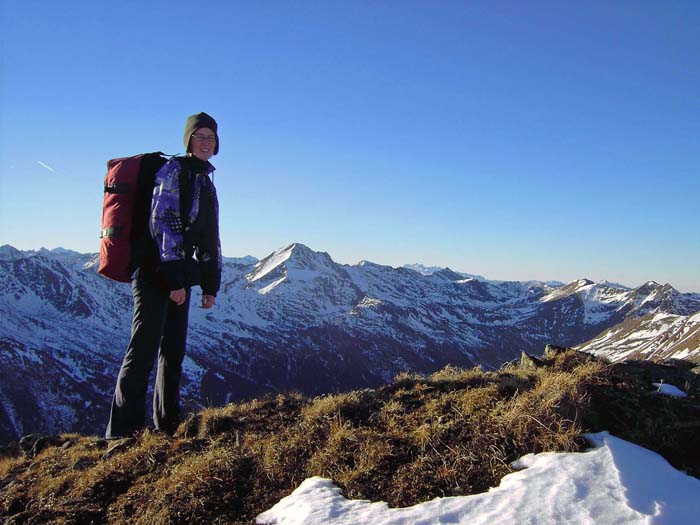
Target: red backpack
125,209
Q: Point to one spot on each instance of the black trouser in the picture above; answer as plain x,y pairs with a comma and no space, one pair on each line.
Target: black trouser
158,328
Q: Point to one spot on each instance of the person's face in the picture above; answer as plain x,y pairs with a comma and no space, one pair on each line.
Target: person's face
203,143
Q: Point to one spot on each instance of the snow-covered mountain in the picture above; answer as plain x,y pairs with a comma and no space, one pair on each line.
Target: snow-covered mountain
429,270
656,336
294,320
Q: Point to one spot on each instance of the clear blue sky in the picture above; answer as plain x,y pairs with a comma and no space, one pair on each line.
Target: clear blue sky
513,139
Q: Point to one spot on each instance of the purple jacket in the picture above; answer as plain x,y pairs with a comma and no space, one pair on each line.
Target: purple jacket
184,223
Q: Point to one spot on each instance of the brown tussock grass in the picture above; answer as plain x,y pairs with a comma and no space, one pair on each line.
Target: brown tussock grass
453,432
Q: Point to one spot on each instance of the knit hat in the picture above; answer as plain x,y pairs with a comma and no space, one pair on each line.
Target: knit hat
200,120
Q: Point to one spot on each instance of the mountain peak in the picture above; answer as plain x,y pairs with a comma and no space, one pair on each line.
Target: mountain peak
575,286
611,284
422,269
295,257
298,250
652,289
369,264
449,274
432,270
651,286
10,253
571,288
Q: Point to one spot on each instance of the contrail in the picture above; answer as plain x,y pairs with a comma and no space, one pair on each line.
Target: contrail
47,167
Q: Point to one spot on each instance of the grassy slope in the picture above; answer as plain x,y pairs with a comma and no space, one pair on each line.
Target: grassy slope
452,433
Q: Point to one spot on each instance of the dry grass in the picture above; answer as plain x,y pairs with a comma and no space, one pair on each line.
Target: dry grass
454,432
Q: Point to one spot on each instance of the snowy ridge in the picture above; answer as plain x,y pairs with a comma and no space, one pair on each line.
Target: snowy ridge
654,336
270,263
9,253
430,270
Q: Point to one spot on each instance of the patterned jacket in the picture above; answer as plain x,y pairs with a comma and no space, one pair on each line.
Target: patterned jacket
184,223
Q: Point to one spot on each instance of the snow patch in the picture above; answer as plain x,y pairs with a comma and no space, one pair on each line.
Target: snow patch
616,482
669,390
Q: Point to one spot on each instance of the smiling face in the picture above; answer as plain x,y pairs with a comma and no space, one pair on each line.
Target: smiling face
203,143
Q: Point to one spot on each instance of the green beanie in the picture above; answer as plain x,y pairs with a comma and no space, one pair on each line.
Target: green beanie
200,120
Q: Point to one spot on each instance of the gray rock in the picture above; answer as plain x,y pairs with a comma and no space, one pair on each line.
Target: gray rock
117,446
27,442
82,464
530,361
552,350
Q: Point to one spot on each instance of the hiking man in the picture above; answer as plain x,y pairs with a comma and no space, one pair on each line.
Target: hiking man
183,250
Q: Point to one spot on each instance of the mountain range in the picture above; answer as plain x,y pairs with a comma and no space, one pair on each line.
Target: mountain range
297,320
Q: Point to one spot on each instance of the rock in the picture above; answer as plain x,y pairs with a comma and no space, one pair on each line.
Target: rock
82,464
552,350
27,442
117,446
43,443
190,427
68,444
530,361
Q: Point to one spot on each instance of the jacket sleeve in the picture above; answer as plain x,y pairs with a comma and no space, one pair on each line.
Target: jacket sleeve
166,224
208,252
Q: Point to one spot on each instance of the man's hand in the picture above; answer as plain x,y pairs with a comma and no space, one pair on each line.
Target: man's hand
208,301
178,296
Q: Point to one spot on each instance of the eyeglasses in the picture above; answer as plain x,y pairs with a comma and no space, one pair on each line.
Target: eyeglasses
204,138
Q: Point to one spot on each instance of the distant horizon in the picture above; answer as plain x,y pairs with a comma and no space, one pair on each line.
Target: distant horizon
516,140
460,271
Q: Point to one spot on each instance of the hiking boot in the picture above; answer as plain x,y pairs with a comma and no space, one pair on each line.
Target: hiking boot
117,446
